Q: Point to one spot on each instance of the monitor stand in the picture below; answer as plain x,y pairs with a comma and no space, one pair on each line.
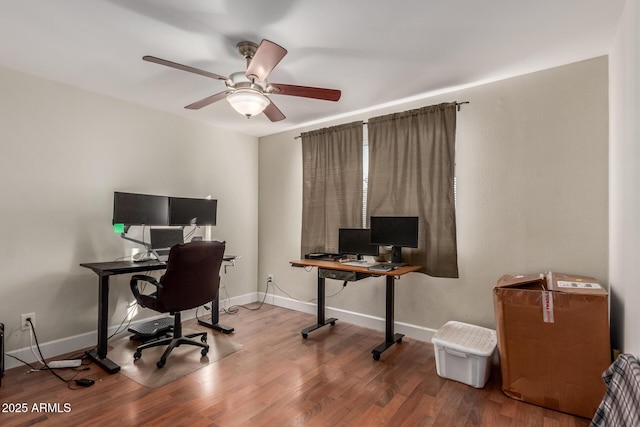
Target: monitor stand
396,254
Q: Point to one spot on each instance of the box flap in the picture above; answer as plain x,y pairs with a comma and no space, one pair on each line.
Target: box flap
574,284
509,281
555,282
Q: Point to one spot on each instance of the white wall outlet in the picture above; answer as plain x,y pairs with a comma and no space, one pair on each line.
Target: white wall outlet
24,323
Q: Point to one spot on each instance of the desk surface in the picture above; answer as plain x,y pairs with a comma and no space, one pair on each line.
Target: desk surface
124,267
127,266
335,265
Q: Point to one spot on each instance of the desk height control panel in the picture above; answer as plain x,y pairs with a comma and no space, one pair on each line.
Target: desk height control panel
349,276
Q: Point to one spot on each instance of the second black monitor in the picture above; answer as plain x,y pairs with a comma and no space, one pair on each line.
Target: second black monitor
395,231
356,241
186,211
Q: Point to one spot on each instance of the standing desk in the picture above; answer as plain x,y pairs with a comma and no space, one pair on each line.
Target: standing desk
105,270
339,271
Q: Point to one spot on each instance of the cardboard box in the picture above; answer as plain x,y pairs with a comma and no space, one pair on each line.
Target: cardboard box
553,340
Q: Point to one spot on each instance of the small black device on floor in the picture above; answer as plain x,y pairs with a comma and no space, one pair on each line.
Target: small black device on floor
85,382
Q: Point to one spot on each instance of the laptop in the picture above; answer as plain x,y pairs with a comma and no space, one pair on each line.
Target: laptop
162,239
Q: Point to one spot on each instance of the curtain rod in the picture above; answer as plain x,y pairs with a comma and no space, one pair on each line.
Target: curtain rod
458,104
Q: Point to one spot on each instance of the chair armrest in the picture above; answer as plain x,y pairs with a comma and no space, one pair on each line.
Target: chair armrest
142,278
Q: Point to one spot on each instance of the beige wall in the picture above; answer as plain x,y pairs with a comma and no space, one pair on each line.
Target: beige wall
64,151
624,178
532,197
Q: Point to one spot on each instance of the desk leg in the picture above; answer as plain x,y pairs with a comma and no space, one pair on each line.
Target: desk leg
321,304
99,355
390,337
215,317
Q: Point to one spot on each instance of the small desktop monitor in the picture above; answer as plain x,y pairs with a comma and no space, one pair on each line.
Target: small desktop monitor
186,211
140,209
165,238
356,241
395,231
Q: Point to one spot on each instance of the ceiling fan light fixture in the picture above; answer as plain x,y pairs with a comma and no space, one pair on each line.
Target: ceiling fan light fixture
248,102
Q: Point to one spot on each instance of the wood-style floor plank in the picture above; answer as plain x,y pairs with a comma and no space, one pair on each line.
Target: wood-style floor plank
281,379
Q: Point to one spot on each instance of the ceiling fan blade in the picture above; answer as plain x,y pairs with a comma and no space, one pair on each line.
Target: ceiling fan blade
182,67
264,60
304,91
273,113
208,100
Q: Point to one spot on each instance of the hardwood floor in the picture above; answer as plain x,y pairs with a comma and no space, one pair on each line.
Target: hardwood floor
280,379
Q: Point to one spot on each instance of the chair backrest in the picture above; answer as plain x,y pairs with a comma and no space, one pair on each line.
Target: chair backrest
192,277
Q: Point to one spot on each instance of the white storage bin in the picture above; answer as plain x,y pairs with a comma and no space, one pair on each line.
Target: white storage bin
464,352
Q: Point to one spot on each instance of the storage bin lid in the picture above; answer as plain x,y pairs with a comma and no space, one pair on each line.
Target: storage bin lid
467,338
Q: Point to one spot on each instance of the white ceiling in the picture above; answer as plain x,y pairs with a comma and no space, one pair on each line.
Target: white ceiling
377,52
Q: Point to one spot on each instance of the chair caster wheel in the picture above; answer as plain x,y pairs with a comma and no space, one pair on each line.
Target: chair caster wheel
376,356
203,339
305,336
160,363
204,352
137,355
333,323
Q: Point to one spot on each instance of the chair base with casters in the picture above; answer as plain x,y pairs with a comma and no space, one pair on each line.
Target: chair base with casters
176,341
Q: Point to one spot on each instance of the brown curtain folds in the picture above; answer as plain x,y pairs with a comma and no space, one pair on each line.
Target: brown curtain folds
332,185
411,172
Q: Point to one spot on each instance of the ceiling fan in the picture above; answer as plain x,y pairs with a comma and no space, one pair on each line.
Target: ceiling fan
246,91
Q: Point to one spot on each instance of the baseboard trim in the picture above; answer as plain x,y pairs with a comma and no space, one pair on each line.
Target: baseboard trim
87,340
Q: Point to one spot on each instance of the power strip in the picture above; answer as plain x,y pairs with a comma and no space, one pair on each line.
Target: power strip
73,363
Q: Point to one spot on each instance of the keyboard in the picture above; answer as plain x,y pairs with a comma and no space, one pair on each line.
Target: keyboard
356,263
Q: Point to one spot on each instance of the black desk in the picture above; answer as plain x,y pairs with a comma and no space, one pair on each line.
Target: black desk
104,270
390,337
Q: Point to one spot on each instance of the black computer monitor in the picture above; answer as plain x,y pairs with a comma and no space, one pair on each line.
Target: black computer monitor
356,241
395,231
188,211
140,209
162,238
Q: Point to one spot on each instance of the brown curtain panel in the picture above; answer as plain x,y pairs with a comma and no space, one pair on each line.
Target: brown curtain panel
411,172
332,185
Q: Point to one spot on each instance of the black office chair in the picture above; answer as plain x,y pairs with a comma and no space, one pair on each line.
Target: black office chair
191,280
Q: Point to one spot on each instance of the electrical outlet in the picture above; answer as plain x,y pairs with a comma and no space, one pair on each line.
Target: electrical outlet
270,277
24,323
